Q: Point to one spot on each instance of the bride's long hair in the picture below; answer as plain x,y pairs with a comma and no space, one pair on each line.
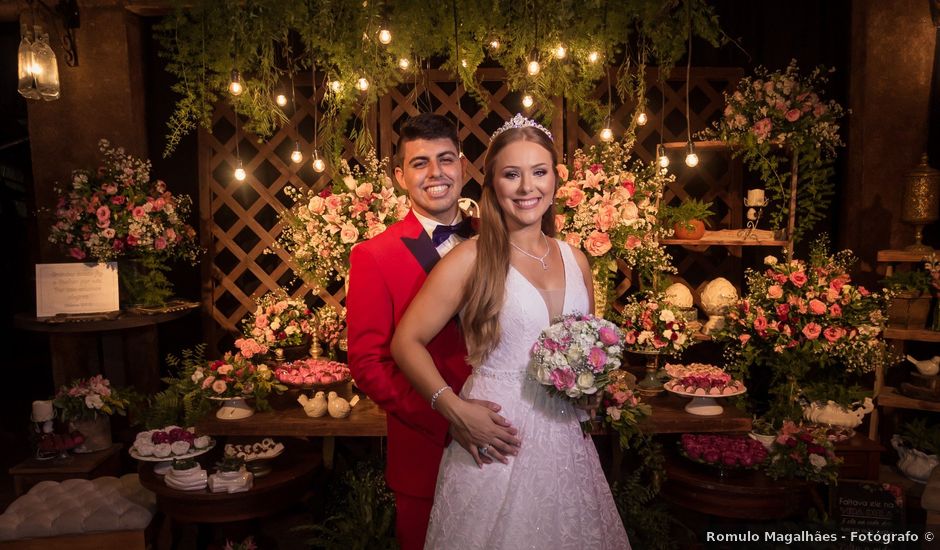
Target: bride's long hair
484,294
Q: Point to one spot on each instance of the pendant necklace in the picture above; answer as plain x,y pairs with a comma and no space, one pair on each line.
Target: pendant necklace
533,256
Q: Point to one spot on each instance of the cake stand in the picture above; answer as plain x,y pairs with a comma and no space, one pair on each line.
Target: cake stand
701,405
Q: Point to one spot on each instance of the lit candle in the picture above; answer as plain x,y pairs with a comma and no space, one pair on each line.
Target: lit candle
755,197
42,411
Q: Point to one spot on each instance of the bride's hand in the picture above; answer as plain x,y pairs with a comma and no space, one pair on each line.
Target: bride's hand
476,425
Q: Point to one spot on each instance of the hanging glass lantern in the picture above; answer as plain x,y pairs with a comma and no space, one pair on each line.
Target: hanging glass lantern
45,68
26,85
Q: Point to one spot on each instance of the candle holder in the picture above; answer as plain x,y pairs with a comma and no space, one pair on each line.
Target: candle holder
754,212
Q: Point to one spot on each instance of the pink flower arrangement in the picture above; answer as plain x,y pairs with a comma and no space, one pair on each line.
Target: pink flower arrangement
574,356
234,375
805,453
117,211
650,323
623,409
723,451
331,325
608,207
279,321
321,228
87,397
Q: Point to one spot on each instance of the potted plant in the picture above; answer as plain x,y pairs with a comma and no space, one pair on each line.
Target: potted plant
762,430
910,303
918,447
689,219
87,406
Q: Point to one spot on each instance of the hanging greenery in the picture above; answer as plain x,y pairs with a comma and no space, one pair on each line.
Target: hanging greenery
204,41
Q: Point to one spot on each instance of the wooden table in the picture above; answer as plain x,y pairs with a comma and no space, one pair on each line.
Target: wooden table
78,465
123,348
669,417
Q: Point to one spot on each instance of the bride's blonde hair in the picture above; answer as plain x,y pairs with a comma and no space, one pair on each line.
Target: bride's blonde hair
484,294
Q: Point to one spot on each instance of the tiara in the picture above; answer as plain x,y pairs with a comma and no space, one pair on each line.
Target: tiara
520,121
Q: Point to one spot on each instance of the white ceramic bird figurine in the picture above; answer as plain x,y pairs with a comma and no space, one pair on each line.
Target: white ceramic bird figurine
339,407
927,367
315,407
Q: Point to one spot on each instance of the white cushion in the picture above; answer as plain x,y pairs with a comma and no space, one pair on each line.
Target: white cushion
79,506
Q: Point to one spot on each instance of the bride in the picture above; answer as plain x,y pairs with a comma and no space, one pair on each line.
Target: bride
550,492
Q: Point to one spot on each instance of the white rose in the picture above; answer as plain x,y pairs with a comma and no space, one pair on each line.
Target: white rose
613,413
291,330
93,401
198,375
350,182
573,392
770,260
817,461
586,383
276,324
667,316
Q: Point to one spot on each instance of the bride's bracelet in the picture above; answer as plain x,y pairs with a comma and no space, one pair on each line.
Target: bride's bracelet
438,394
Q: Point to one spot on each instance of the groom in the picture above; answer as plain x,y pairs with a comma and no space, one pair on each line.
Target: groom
385,274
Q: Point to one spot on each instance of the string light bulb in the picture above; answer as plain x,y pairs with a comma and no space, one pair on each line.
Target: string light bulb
385,36
533,67
594,56
691,159
296,156
318,164
661,157
235,86
642,119
494,44
362,84
281,100
240,171
404,63
561,52
463,63
607,134
527,101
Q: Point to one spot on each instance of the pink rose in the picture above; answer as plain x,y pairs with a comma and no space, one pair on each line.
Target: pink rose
118,200
793,115
604,218
798,278
171,235
833,333
103,213
597,243
333,202
76,253
632,242
817,307
608,336
573,239
159,203
819,110
132,240
562,379
760,323
139,212
159,243
598,359
219,386
835,310
375,229
575,196
811,331
629,185
348,233
762,128
364,190
775,292
562,172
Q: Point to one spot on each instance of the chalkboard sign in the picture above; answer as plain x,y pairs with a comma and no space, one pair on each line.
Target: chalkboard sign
865,507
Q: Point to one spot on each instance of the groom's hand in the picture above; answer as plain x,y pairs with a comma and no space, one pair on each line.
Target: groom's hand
482,427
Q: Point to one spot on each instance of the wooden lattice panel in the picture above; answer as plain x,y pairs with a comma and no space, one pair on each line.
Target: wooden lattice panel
239,220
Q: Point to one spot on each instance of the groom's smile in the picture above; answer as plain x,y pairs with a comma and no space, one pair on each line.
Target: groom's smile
432,173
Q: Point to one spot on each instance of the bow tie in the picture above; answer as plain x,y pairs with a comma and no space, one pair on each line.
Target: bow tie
443,232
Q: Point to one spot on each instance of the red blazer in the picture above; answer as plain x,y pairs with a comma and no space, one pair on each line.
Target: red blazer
385,274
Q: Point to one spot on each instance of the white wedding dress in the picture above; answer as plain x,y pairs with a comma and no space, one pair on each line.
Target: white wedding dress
553,494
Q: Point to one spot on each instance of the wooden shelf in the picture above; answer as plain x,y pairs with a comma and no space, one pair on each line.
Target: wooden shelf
730,237
699,145
901,256
920,335
889,397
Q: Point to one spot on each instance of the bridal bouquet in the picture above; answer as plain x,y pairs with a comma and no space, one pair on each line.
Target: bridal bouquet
574,356
320,230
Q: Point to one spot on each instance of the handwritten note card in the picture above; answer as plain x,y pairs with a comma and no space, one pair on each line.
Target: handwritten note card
76,288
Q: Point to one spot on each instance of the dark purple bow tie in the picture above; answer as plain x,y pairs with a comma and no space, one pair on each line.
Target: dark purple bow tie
443,232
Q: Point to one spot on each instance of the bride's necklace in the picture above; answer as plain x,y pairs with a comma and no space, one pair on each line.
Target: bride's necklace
541,259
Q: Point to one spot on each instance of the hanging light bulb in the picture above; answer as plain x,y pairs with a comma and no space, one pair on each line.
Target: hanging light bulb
336,86
642,119
594,56
533,67
494,44
404,63
296,156
318,164
240,171
235,86
281,100
607,134
527,101
385,36
362,84
561,52
691,159
661,157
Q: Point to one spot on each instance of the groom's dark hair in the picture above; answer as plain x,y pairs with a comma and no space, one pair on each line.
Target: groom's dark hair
425,126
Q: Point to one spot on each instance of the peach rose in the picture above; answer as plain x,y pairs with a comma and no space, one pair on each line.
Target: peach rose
793,115
632,242
817,307
348,233
364,190
798,278
559,222
333,202
562,172
774,292
604,218
575,196
573,239
316,205
597,243
811,331
375,229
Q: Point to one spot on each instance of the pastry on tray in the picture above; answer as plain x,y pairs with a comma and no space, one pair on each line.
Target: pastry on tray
702,379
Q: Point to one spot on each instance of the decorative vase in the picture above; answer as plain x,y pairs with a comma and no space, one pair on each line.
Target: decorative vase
650,386
766,440
913,463
96,431
233,408
921,201
295,352
683,231
831,413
